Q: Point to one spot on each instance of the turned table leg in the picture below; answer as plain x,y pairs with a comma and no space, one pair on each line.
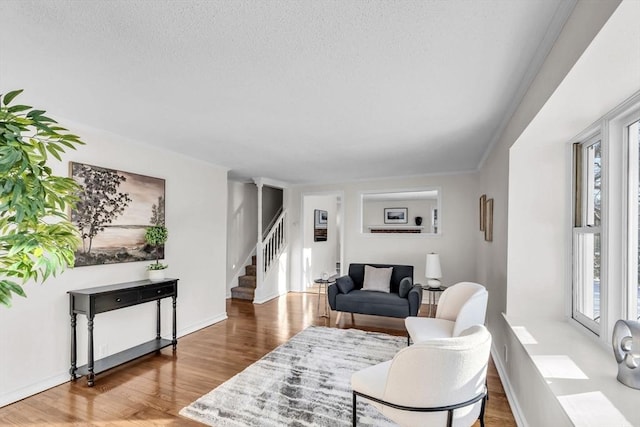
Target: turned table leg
91,376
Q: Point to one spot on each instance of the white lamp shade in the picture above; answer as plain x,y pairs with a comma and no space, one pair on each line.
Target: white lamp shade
433,267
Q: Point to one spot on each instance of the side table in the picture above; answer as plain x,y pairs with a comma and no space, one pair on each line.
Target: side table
432,294
323,282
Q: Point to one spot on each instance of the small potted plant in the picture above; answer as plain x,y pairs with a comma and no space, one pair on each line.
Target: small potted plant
156,236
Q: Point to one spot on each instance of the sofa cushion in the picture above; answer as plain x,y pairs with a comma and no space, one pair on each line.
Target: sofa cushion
377,303
345,284
405,286
377,279
356,272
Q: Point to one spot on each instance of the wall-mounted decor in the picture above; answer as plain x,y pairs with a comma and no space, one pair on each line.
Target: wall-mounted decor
488,226
396,215
482,209
113,212
320,219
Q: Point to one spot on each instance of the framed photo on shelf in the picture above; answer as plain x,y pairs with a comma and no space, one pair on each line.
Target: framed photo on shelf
396,216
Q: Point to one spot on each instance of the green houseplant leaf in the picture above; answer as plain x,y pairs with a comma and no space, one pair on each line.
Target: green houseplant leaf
36,239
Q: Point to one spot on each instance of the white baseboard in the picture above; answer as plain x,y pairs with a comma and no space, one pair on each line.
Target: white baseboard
508,390
34,388
203,324
267,298
64,376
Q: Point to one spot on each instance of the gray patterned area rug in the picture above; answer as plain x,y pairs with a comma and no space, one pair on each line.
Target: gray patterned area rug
304,382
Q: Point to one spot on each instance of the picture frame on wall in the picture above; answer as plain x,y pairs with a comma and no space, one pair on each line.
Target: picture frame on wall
113,211
482,210
396,215
488,227
321,217
320,220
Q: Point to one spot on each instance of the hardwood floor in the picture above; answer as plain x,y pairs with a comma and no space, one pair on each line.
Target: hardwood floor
153,389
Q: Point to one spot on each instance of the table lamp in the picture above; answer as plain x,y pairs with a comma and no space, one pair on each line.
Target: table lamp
433,271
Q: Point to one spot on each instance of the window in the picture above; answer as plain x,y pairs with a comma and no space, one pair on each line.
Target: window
605,225
587,241
632,135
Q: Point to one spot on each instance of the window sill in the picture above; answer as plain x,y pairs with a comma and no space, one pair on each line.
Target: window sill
579,372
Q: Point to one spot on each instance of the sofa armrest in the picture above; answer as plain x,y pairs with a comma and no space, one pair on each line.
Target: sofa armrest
345,284
332,292
415,299
406,284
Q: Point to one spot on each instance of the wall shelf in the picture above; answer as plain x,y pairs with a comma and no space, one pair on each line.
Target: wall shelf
395,229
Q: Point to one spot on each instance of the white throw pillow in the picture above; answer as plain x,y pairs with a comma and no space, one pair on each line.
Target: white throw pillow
377,279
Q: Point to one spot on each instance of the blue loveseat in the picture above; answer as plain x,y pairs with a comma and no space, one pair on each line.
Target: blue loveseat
403,299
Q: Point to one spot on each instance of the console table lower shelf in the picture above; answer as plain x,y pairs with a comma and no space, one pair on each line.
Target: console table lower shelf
124,356
93,301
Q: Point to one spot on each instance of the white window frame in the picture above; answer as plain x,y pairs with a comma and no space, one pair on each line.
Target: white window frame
632,172
618,274
595,136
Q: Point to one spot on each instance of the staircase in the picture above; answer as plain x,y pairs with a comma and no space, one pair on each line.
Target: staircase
246,284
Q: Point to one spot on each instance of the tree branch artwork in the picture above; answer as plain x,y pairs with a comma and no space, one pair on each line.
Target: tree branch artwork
113,212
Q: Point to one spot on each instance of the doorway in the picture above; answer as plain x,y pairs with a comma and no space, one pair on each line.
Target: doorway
322,242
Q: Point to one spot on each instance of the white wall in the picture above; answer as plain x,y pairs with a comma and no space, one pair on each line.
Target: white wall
519,374
319,257
459,222
35,333
539,197
242,229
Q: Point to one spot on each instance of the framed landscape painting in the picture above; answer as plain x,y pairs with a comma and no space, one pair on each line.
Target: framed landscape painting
114,209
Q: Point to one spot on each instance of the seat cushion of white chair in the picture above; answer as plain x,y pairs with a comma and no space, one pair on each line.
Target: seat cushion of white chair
427,328
372,380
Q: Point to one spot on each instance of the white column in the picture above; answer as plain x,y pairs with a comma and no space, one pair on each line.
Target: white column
259,254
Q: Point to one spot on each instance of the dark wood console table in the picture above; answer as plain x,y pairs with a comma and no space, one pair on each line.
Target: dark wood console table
93,301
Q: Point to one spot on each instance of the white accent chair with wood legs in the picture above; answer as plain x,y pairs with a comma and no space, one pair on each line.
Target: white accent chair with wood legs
433,383
460,307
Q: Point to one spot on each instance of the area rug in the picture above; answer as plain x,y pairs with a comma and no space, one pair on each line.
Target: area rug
304,382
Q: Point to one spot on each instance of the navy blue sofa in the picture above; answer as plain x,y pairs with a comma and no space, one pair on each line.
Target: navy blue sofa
404,298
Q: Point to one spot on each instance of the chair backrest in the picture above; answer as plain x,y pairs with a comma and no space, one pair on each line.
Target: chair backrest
464,303
356,272
439,372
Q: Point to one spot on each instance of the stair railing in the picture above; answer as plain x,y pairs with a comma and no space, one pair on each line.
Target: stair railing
274,242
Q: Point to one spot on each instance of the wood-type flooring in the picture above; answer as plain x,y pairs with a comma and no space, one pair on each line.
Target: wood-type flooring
151,390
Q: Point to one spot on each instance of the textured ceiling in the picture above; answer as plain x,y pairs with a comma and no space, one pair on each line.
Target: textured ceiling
295,91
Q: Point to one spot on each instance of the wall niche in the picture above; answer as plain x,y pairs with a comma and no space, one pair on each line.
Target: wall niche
401,212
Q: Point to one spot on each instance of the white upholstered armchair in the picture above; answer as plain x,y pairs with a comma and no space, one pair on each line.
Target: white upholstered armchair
460,307
434,383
